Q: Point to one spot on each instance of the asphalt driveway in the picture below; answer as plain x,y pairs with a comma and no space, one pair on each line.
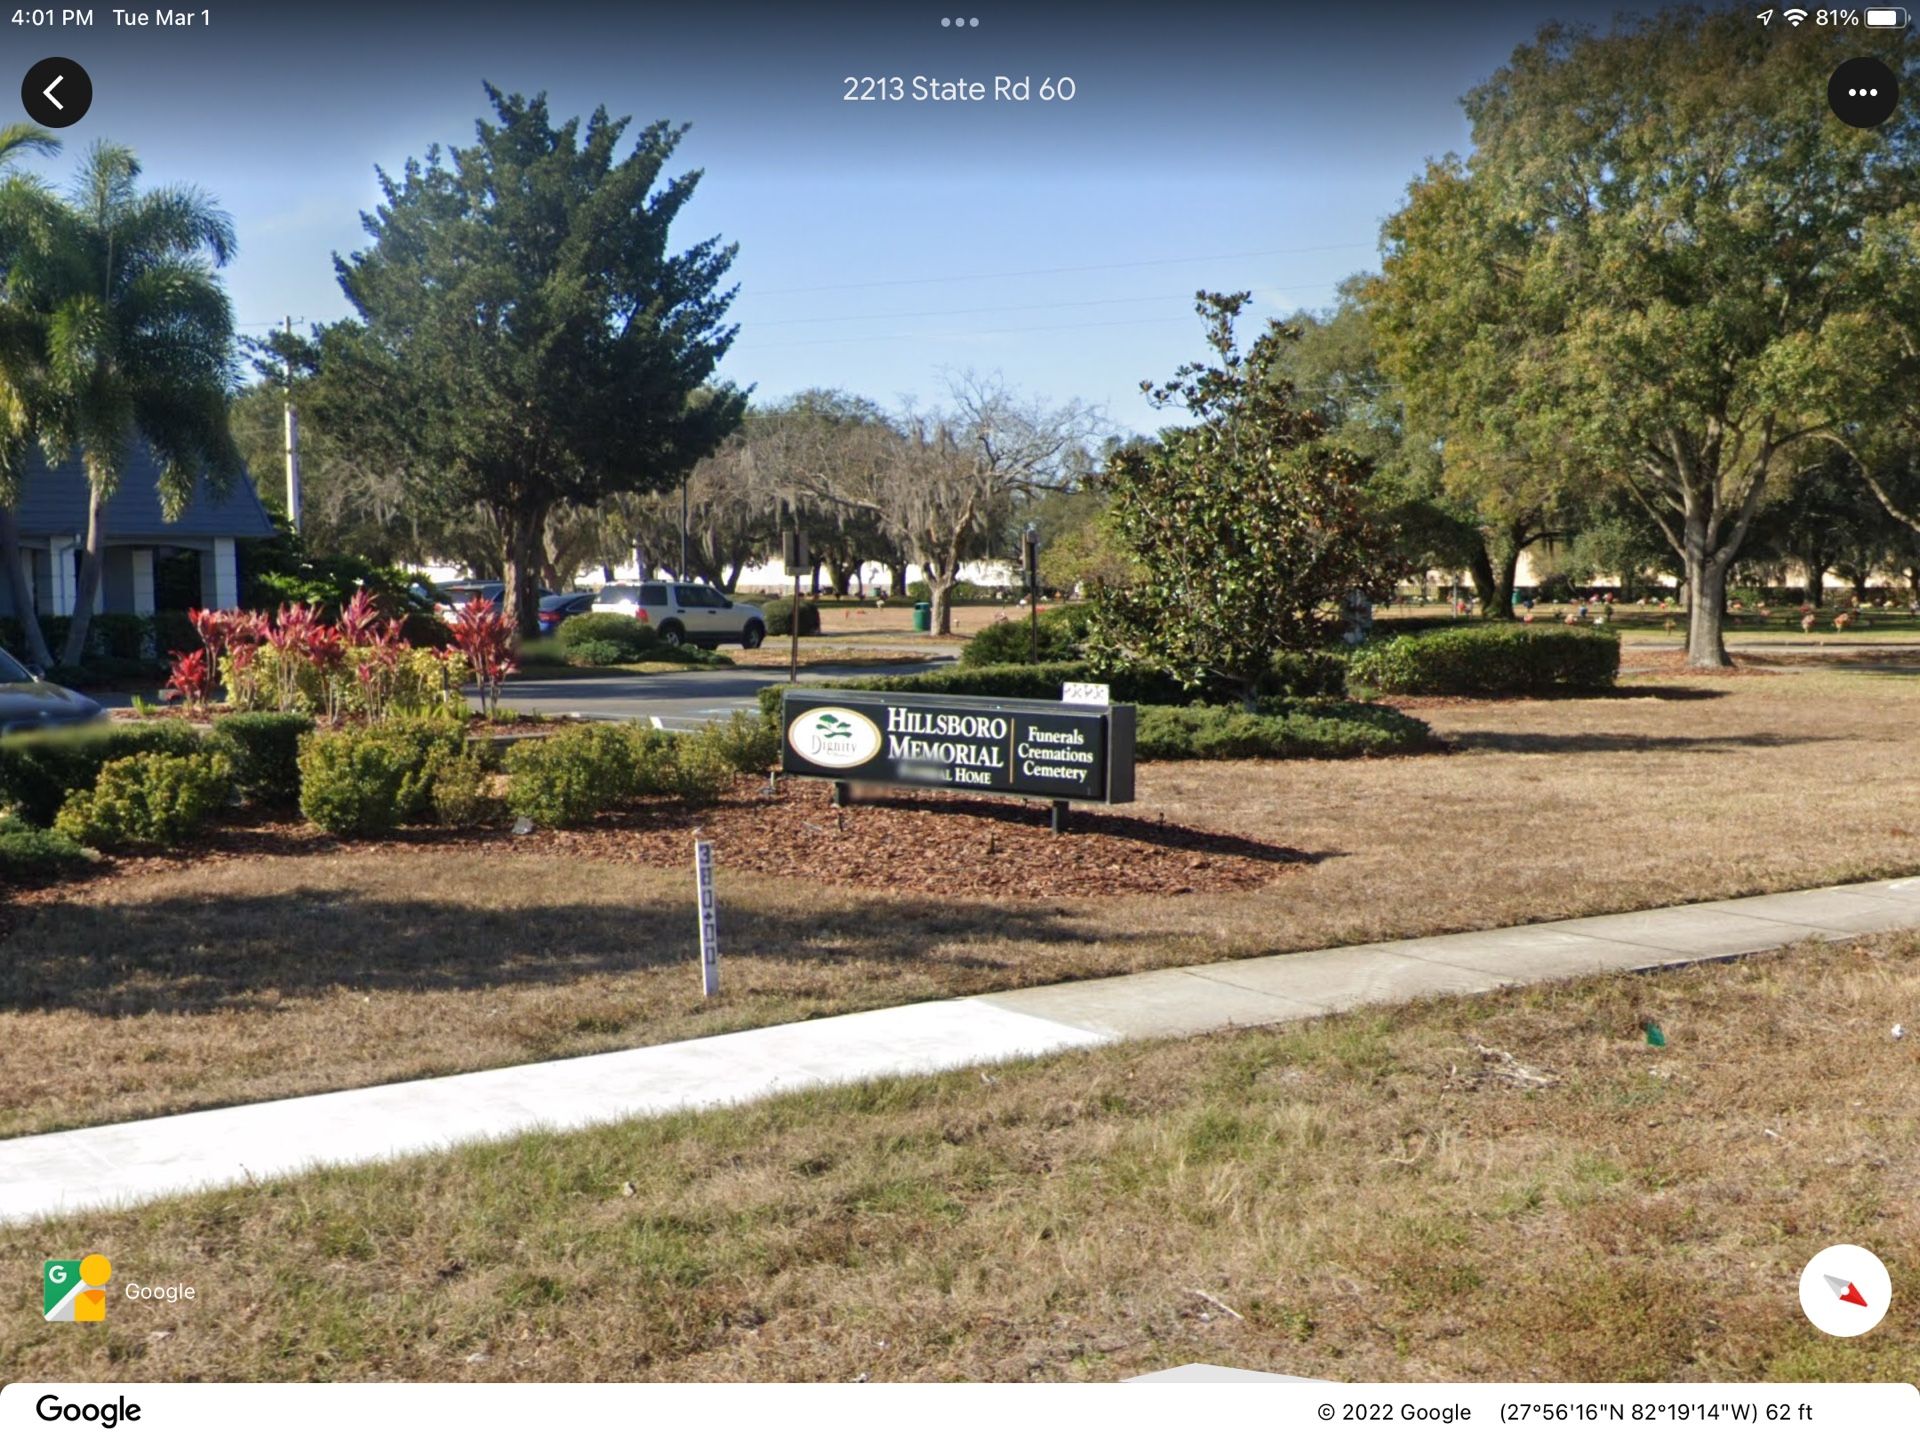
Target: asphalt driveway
679,700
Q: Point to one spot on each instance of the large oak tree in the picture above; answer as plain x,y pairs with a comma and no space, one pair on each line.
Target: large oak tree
1649,271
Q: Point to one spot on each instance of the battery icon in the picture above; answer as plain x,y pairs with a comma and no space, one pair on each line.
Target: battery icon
1892,18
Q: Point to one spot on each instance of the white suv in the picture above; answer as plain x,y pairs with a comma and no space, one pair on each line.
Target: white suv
686,614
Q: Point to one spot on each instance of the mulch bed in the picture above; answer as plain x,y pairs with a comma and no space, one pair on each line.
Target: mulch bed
922,843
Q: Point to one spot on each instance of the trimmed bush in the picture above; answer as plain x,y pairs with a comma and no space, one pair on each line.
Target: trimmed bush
172,631
747,743
27,853
1010,642
964,592
263,749
702,771
429,747
589,653
623,635
40,769
1304,732
779,615
1009,682
584,770
121,637
463,791
572,777
371,779
146,800
351,781
577,629
1491,660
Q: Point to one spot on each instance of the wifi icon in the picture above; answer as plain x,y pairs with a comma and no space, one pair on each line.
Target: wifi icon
1794,17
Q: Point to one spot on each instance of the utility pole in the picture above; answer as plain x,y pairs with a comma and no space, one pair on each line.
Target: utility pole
793,558
1030,558
683,528
293,439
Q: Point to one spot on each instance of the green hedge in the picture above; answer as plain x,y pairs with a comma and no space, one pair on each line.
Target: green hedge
1009,682
264,750
30,854
371,779
1335,731
585,769
620,636
1491,660
117,645
779,611
40,769
1010,642
144,801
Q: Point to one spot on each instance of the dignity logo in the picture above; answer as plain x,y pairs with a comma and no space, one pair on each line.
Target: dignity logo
838,739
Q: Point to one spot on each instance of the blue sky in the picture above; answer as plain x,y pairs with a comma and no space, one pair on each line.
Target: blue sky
1221,146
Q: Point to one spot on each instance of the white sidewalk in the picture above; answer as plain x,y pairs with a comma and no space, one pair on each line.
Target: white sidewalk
110,1165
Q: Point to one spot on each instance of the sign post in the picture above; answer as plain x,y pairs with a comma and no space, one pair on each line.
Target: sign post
1030,558
793,554
709,918
1057,751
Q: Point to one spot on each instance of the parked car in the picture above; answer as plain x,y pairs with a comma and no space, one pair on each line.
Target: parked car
555,608
456,593
29,703
686,614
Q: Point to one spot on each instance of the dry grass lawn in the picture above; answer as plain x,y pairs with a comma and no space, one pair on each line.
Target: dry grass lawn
273,976
1510,1187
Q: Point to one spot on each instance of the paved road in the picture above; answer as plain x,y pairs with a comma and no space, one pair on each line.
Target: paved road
679,700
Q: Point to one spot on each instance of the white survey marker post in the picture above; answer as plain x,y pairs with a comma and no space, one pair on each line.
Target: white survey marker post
709,919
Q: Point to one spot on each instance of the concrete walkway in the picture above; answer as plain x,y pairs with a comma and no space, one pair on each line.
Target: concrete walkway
44,1175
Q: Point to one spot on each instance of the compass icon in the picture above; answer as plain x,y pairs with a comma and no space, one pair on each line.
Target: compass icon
1845,1291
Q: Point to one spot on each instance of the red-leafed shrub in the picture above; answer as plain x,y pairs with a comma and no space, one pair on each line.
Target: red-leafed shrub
484,635
191,678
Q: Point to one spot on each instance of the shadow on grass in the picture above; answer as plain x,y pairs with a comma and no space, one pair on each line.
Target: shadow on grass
186,955
1659,692
1607,742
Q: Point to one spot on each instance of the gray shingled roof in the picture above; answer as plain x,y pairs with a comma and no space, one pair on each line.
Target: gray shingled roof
54,502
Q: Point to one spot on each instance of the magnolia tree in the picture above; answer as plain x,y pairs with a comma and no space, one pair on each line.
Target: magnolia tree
1248,525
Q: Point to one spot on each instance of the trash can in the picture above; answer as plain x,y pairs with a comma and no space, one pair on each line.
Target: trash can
923,615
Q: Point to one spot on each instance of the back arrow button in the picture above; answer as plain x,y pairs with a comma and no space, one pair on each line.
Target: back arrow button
70,105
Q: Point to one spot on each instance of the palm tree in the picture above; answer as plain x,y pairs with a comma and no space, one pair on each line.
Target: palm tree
139,344
28,217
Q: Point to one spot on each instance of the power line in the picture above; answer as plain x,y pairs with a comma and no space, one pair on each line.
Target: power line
1067,269
1185,315
1010,309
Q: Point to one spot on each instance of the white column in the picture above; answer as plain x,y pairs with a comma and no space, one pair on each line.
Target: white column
226,577
142,582
62,591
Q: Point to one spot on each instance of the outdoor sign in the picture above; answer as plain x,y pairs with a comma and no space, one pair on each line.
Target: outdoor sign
1051,750
1082,692
709,918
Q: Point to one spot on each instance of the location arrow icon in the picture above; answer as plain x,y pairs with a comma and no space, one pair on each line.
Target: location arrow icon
1846,1290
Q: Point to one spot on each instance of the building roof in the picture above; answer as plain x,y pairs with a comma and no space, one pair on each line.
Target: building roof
53,501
